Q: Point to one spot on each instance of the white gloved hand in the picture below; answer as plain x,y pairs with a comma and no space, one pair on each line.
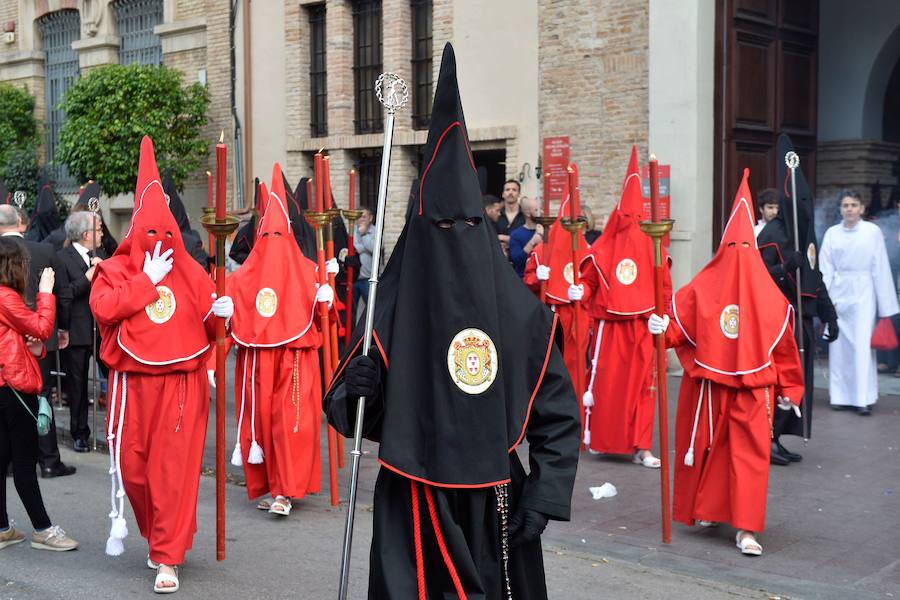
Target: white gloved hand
331,266
576,292
159,265
325,294
211,375
223,307
784,403
658,324
542,272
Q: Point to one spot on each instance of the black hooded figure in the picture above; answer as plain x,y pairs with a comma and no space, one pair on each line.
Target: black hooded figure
45,217
776,244
246,234
193,243
466,368
5,195
304,232
108,243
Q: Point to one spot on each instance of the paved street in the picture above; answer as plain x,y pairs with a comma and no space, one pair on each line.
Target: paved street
832,525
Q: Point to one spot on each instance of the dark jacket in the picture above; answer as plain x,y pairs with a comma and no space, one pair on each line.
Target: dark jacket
78,319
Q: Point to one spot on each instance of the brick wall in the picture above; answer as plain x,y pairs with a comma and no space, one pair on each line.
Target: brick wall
594,87
858,165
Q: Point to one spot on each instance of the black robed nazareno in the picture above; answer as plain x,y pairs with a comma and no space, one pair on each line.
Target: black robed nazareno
447,443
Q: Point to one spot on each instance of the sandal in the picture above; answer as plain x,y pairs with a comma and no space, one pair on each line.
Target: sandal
746,541
281,506
703,523
264,505
647,460
152,564
162,578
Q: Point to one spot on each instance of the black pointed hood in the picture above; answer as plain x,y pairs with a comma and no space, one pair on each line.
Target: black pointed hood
464,341
89,191
246,234
45,217
5,195
176,206
304,233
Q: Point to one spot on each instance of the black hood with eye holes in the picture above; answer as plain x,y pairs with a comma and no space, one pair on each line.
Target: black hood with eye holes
449,301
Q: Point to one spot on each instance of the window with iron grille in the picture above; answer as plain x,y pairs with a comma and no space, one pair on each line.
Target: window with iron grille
421,62
367,53
136,20
58,30
317,72
368,171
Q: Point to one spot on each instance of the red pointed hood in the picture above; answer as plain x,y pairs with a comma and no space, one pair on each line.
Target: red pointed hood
274,291
623,256
172,329
732,313
557,252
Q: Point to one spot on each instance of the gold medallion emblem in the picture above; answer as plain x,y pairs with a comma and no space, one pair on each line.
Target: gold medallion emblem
472,361
626,271
266,302
569,273
164,307
811,255
730,320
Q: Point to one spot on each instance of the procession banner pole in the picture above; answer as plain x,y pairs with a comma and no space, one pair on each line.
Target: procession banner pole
220,225
393,94
657,228
792,160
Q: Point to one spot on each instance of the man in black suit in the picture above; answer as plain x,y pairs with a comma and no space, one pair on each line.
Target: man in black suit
42,256
84,234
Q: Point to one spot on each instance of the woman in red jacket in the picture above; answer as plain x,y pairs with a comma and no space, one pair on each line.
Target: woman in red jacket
22,332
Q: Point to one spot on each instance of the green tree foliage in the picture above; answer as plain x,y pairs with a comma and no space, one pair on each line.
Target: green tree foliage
18,128
21,173
110,109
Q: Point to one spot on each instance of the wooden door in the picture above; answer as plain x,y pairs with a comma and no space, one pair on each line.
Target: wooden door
766,84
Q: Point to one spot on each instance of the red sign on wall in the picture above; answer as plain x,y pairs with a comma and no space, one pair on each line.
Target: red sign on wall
555,164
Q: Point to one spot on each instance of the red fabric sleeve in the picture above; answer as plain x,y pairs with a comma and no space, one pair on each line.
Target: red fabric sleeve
674,336
787,363
113,303
36,323
530,277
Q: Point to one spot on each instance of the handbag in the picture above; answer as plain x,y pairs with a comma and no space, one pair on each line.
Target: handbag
44,416
884,338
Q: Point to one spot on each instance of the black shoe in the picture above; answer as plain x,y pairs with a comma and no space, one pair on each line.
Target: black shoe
842,407
81,446
777,458
791,456
864,411
60,470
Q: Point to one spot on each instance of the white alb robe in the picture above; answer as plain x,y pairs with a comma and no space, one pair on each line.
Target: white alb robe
857,273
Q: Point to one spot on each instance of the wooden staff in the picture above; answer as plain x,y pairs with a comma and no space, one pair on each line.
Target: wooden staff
657,228
220,225
319,219
329,255
574,225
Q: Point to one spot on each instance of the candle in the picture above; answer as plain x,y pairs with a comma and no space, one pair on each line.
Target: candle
351,201
317,175
326,183
221,178
573,191
654,189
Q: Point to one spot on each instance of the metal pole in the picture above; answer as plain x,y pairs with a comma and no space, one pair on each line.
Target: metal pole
94,207
393,93
792,160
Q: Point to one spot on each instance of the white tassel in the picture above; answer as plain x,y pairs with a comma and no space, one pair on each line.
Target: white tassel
236,458
120,493
119,528
256,454
588,399
689,458
587,437
114,546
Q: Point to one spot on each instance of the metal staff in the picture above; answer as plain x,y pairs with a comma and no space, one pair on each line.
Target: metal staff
94,207
792,160
393,93
656,228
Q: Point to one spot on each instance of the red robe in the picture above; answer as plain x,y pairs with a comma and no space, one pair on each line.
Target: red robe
277,382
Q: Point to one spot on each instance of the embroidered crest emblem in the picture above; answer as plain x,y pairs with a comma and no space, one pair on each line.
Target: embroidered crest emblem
626,271
730,320
569,273
164,307
472,361
266,302
811,255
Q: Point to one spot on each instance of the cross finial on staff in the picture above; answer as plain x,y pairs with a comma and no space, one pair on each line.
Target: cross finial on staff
19,199
392,91
792,160
94,204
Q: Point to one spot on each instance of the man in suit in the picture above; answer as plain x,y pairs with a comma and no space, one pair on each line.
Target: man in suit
84,233
42,256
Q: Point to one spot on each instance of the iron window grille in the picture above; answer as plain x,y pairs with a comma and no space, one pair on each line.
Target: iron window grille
317,72
368,169
135,20
58,30
422,60
367,55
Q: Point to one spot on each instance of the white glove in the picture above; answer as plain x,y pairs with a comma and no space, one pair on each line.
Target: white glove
331,266
542,272
576,292
223,307
658,324
158,266
325,294
785,403
211,375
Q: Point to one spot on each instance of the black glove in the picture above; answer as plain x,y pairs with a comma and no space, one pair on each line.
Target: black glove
362,377
792,261
352,262
833,331
526,526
